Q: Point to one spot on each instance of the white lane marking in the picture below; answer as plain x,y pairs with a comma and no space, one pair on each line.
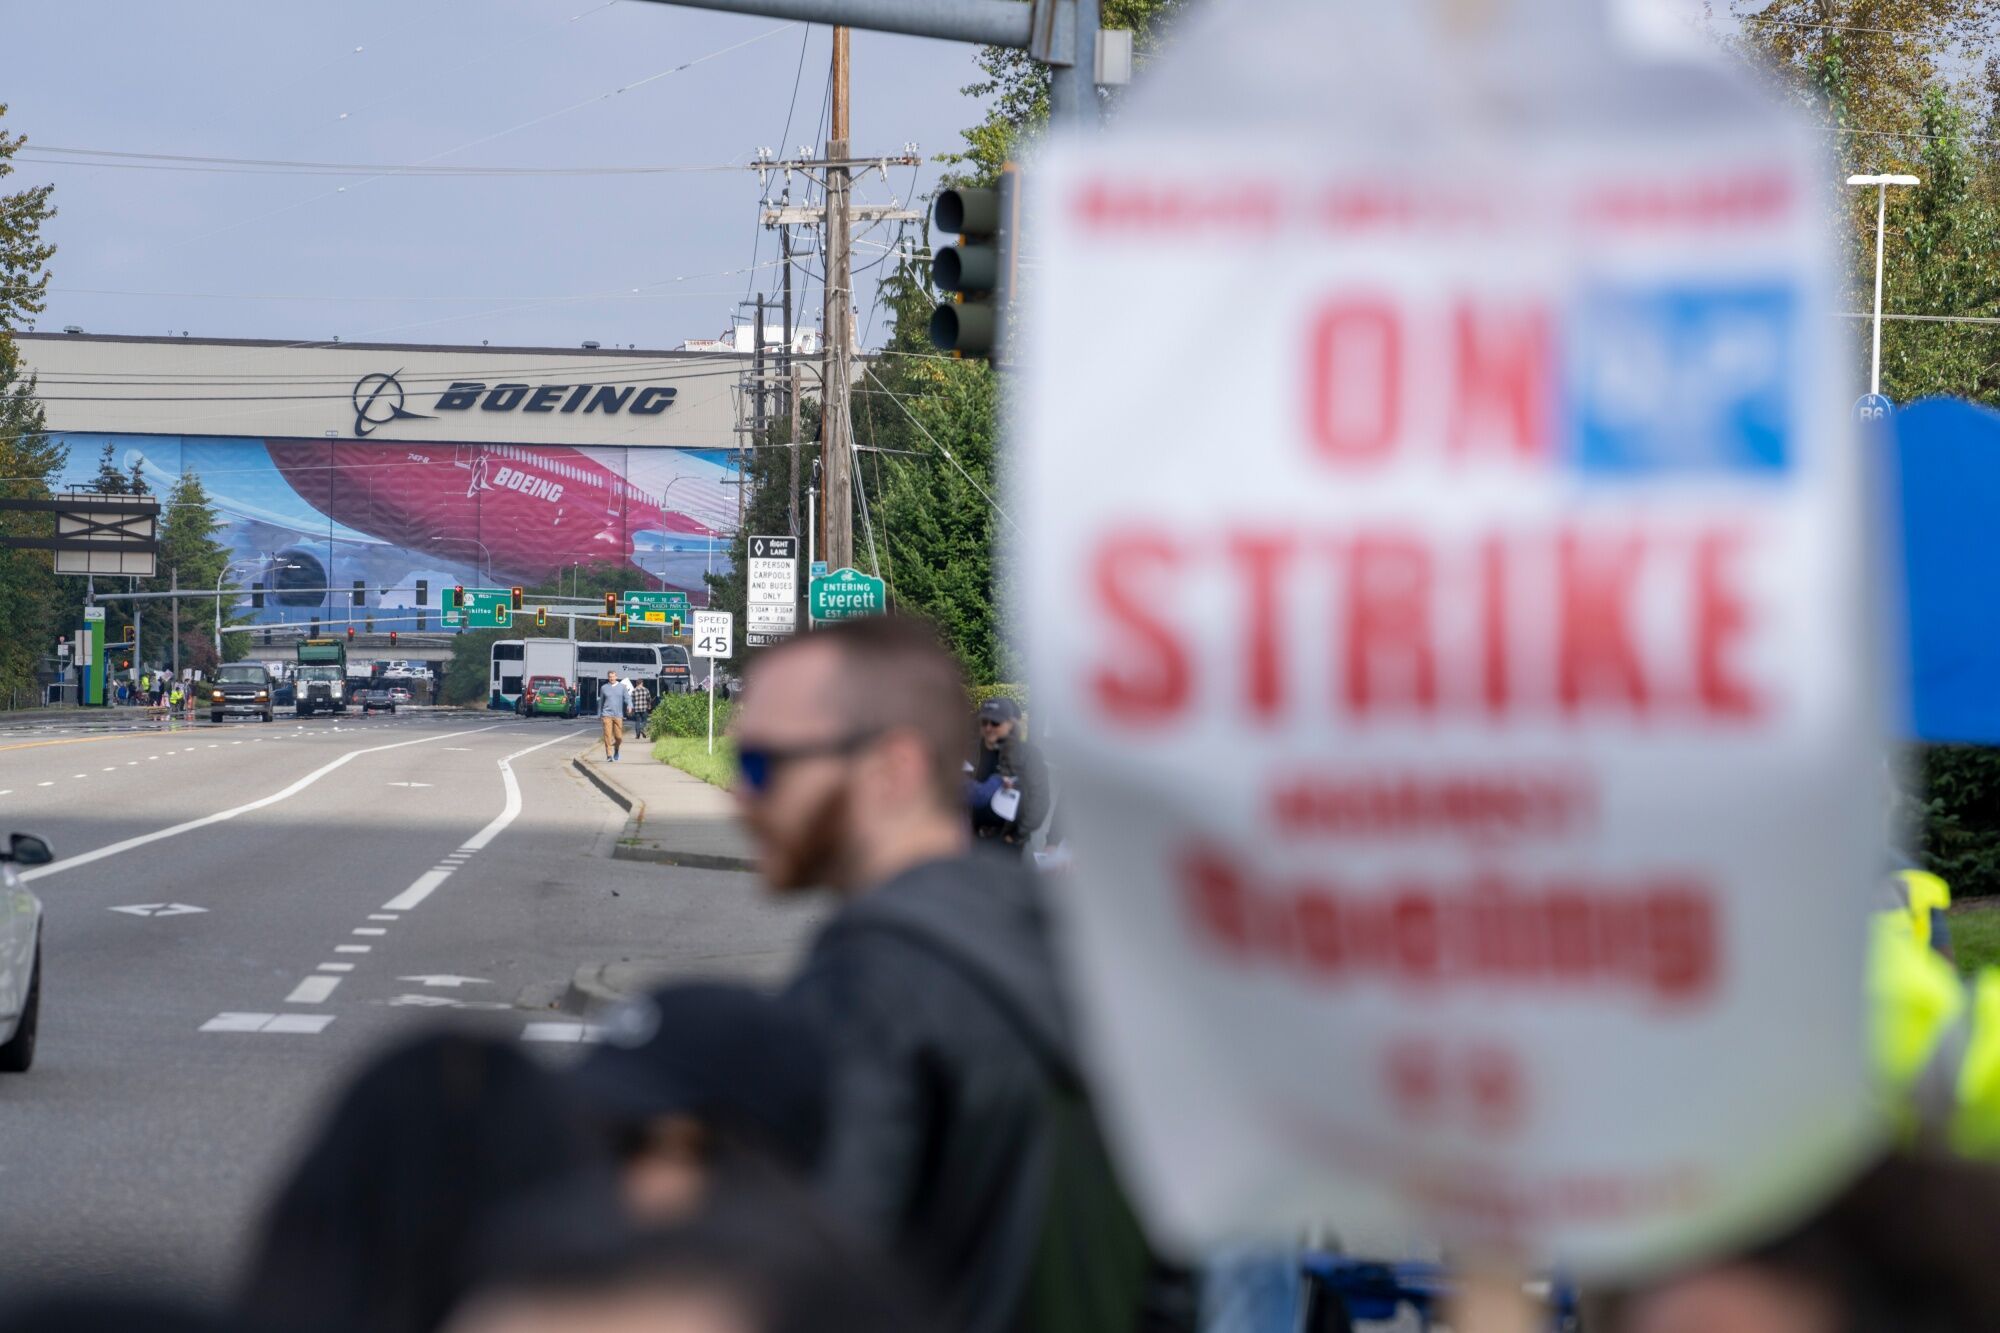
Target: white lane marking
8,792
444,1002
462,749
336,967
109,768
144,839
409,784
45,784
370,930
159,909
299,1024
313,990
352,948
79,775
152,756
427,883
383,916
131,763
572,1032
448,981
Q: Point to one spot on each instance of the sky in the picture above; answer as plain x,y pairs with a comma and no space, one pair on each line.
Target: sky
521,259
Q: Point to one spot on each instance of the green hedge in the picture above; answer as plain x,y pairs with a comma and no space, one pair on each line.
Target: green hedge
1018,693
686,715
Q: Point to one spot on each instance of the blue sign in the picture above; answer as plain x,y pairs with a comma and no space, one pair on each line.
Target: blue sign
1682,380
1873,407
819,569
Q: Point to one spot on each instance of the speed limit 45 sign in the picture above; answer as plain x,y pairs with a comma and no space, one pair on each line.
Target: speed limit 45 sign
713,631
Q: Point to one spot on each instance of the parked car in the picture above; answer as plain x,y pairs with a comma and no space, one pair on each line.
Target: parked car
547,696
20,952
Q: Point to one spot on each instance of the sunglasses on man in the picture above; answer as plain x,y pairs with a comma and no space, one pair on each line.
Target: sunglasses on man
759,764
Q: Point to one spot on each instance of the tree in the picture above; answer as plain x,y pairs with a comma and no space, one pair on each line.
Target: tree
193,559
30,459
109,480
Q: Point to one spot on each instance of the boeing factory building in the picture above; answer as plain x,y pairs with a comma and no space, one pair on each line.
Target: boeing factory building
391,472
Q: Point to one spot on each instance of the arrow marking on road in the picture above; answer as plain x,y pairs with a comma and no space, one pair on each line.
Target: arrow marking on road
159,909
442,1002
447,981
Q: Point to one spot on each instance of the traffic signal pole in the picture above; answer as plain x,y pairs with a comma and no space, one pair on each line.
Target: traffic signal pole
1062,34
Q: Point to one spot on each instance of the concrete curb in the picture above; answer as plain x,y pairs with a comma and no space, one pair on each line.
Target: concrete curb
626,850
588,992
625,800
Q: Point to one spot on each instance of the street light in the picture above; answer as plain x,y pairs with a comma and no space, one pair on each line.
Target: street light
219,579
1881,184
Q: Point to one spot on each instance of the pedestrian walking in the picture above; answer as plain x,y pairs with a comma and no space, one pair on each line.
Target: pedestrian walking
614,705
962,1137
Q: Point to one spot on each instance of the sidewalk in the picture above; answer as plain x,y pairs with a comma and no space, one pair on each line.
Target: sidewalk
677,820
674,819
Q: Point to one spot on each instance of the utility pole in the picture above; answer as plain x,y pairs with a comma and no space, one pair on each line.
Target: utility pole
791,386
836,420
758,415
176,586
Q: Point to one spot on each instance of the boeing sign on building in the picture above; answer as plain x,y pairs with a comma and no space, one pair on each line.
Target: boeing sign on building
407,470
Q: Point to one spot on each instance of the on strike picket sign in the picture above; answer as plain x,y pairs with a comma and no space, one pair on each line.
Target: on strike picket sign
1444,574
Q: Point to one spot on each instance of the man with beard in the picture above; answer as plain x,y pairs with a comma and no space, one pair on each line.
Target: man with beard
961,1136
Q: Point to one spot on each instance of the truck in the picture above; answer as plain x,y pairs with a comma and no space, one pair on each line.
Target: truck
549,657
321,683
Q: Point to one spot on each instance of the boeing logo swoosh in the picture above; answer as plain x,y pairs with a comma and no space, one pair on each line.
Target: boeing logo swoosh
378,400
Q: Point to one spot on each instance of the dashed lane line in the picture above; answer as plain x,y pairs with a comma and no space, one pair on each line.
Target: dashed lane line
313,990
427,883
220,816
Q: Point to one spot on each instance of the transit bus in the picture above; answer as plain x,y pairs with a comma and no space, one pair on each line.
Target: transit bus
663,668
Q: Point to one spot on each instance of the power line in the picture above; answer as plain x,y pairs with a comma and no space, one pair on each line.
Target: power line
271,166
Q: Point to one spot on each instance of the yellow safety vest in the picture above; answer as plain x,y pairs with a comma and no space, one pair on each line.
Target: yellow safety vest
1924,894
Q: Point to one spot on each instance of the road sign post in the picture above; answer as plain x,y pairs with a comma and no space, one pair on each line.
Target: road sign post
846,593
713,633
771,601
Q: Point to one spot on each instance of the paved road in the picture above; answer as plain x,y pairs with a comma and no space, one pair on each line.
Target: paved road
344,871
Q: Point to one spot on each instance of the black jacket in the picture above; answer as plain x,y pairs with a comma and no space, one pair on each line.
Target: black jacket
1019,760
938,997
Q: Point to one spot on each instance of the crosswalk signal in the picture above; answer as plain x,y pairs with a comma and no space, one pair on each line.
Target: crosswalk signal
541,617
977,270
610,605
514,599
624,623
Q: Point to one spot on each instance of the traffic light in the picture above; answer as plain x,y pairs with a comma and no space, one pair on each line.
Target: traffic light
514,599
676,623
392,638
610,604
423,592
503,616
624,623
978,271
257,596
541,617
360,593
458,598
350,634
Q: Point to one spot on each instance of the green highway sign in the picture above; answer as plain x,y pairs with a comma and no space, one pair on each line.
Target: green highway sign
654,608
485,608
846,593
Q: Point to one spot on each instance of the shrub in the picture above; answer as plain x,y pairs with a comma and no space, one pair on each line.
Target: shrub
1961,817
685,715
